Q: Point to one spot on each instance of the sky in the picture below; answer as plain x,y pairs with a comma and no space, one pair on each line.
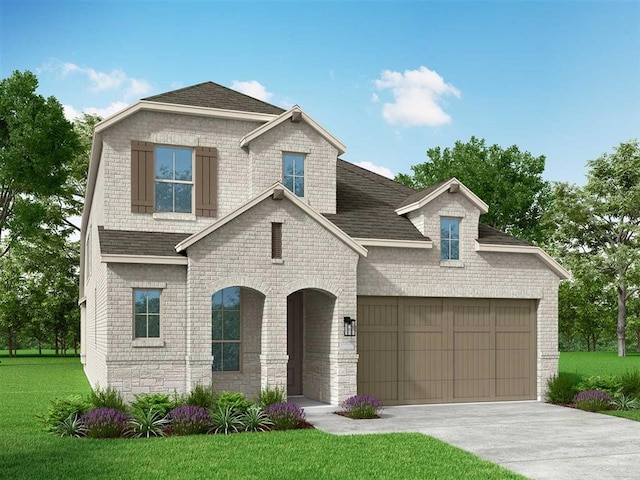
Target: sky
389,79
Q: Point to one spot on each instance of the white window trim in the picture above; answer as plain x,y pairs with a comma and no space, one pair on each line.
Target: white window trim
176,215
304,178
138,342
452,262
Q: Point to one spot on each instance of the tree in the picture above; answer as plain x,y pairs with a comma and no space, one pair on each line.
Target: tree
508,180
36,146
600,223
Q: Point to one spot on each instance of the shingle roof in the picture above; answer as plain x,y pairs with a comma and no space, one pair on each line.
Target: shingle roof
127,242
366,204
420,194
491,236
212,95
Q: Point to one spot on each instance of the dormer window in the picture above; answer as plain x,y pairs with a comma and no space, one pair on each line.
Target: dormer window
174,179
293,172
449,238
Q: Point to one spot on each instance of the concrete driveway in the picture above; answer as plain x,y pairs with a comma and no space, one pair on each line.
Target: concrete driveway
538,440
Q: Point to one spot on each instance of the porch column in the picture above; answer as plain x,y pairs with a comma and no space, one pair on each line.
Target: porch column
344,376
273,357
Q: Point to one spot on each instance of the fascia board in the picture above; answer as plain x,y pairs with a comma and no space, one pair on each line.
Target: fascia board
384,242
144,259
262,129
331,227
530,249
472,197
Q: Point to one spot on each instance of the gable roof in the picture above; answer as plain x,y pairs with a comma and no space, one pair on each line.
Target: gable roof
262,129
213,95
423,197
276,189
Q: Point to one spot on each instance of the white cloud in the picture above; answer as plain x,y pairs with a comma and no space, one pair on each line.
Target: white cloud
417,94
114,80
380,170
253,88
70,113
374,97
107,111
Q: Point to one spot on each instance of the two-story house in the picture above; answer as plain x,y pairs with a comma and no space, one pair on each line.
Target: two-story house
225,242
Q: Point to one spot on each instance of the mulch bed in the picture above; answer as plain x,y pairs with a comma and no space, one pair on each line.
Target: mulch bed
345,414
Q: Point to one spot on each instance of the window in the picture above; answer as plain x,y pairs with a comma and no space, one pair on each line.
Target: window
147,313
174,179
293,172
450,238
225,326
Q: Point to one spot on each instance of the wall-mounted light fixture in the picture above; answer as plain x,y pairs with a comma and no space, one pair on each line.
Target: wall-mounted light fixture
349,327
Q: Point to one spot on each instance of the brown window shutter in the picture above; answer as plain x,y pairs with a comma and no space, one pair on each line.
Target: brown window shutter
206,181
142,177
276,240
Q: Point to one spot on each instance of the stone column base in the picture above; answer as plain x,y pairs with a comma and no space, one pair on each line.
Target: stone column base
273,371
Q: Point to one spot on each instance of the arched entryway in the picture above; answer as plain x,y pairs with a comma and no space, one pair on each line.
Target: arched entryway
310,321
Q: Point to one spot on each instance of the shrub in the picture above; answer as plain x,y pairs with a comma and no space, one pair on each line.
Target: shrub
255,420
71,426
189,420
104,422
107,398
610,384
147,423
201,396
630,383
269,396
159,402
61,409
236,401
592,400
625,402
362,406
225,420
562,388
285,416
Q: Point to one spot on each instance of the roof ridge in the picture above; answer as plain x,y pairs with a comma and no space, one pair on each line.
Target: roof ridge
209,82
388,182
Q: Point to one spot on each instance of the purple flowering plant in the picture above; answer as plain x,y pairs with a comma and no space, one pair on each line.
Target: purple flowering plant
285,415
104,422
362,406
189,420
592,400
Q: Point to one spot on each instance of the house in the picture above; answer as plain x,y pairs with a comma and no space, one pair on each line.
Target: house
224,241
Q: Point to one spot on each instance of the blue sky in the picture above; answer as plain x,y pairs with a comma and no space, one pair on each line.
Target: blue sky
389,79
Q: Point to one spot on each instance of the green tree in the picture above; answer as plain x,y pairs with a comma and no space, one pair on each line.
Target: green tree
599,223
508,180
36,146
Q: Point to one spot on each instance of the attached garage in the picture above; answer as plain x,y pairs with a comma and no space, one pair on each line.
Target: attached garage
441,350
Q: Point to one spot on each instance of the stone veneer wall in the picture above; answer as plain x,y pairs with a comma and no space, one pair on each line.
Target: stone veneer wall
405,272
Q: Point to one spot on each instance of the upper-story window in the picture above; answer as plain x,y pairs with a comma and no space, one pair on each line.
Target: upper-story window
174,179
293,172
450,238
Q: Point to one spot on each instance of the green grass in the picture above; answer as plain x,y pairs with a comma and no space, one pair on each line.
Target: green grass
587,364
27,384
598,363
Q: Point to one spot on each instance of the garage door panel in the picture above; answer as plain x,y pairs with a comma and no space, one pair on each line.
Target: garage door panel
435,350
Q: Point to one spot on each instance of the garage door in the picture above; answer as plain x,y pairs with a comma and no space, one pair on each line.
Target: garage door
440,350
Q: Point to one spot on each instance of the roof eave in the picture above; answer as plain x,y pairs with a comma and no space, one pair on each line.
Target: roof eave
558,269
262,129
472,197
327,224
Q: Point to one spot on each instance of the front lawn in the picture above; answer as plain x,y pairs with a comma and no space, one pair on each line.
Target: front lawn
587,364
27,384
